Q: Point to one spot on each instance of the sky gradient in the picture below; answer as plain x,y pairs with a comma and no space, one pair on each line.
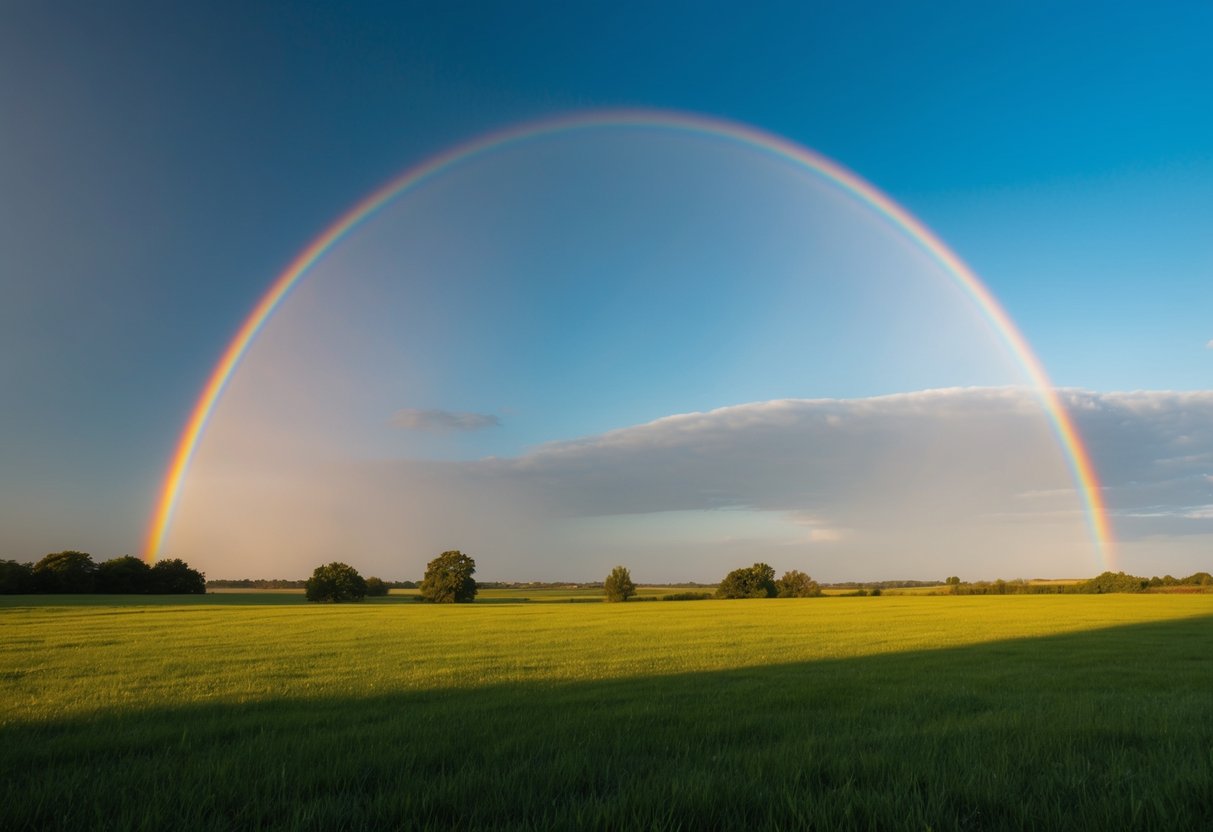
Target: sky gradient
160,167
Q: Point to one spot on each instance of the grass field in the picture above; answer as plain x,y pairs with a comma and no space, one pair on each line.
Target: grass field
259,711
513,595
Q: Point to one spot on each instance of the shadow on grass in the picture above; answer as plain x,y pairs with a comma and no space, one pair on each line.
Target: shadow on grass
1104,729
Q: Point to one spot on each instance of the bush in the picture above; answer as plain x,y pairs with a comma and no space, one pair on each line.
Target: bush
687,596
618,585
16,578
796,584
1113,582
335,582
757,581
448,579
173,576
124,576
376,588
66,572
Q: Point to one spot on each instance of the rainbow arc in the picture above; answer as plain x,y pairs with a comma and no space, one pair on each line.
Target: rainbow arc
1077,456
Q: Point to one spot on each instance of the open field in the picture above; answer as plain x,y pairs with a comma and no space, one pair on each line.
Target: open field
510,595
259,711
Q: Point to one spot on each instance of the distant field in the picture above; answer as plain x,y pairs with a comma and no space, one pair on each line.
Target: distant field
262,711
557,594
485,595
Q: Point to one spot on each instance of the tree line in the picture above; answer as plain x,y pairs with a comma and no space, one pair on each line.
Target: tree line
757,581
448,579
1105,582
76,572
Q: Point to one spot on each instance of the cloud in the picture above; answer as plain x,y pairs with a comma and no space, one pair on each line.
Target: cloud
1153,452
968,481
813,457
443,421
936,459
1209,345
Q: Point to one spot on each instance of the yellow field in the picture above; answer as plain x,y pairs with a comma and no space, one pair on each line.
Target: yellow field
263,711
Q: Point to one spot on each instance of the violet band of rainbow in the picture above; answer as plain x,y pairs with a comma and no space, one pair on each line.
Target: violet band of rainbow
1077,457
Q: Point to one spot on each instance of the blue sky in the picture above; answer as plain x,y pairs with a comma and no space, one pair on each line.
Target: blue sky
159,166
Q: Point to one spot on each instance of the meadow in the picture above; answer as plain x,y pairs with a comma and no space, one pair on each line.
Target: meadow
260,711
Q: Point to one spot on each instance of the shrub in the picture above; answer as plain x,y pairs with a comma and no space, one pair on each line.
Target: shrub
796,584
16,578
126,575
66,572
173,576
1113,582
687,596
757,581
376,588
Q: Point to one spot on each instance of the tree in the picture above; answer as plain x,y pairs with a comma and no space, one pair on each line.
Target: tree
335,582
953,581
796,584
16,578
66,572
173,576
448,579
757,581
618,585
124,576
1112,582
376,587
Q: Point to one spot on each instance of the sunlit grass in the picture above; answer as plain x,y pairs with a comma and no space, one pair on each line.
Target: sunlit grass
968,712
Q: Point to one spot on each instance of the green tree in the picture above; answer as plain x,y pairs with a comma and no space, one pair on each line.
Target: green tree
173,576
1113,582
16,578
376,587
126,575
618,585
335,582
448,579
757,581
796,584
66,572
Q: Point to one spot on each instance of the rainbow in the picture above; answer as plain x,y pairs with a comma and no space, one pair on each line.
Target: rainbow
1078,458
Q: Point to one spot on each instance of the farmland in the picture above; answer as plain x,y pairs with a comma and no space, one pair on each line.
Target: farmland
251,710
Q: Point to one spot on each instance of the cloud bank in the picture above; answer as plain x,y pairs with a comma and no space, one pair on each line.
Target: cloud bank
968,481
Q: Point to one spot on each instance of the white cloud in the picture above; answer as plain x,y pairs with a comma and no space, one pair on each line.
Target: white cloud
443,421
964,481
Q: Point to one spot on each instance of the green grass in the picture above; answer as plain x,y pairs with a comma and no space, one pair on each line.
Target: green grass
1017,712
